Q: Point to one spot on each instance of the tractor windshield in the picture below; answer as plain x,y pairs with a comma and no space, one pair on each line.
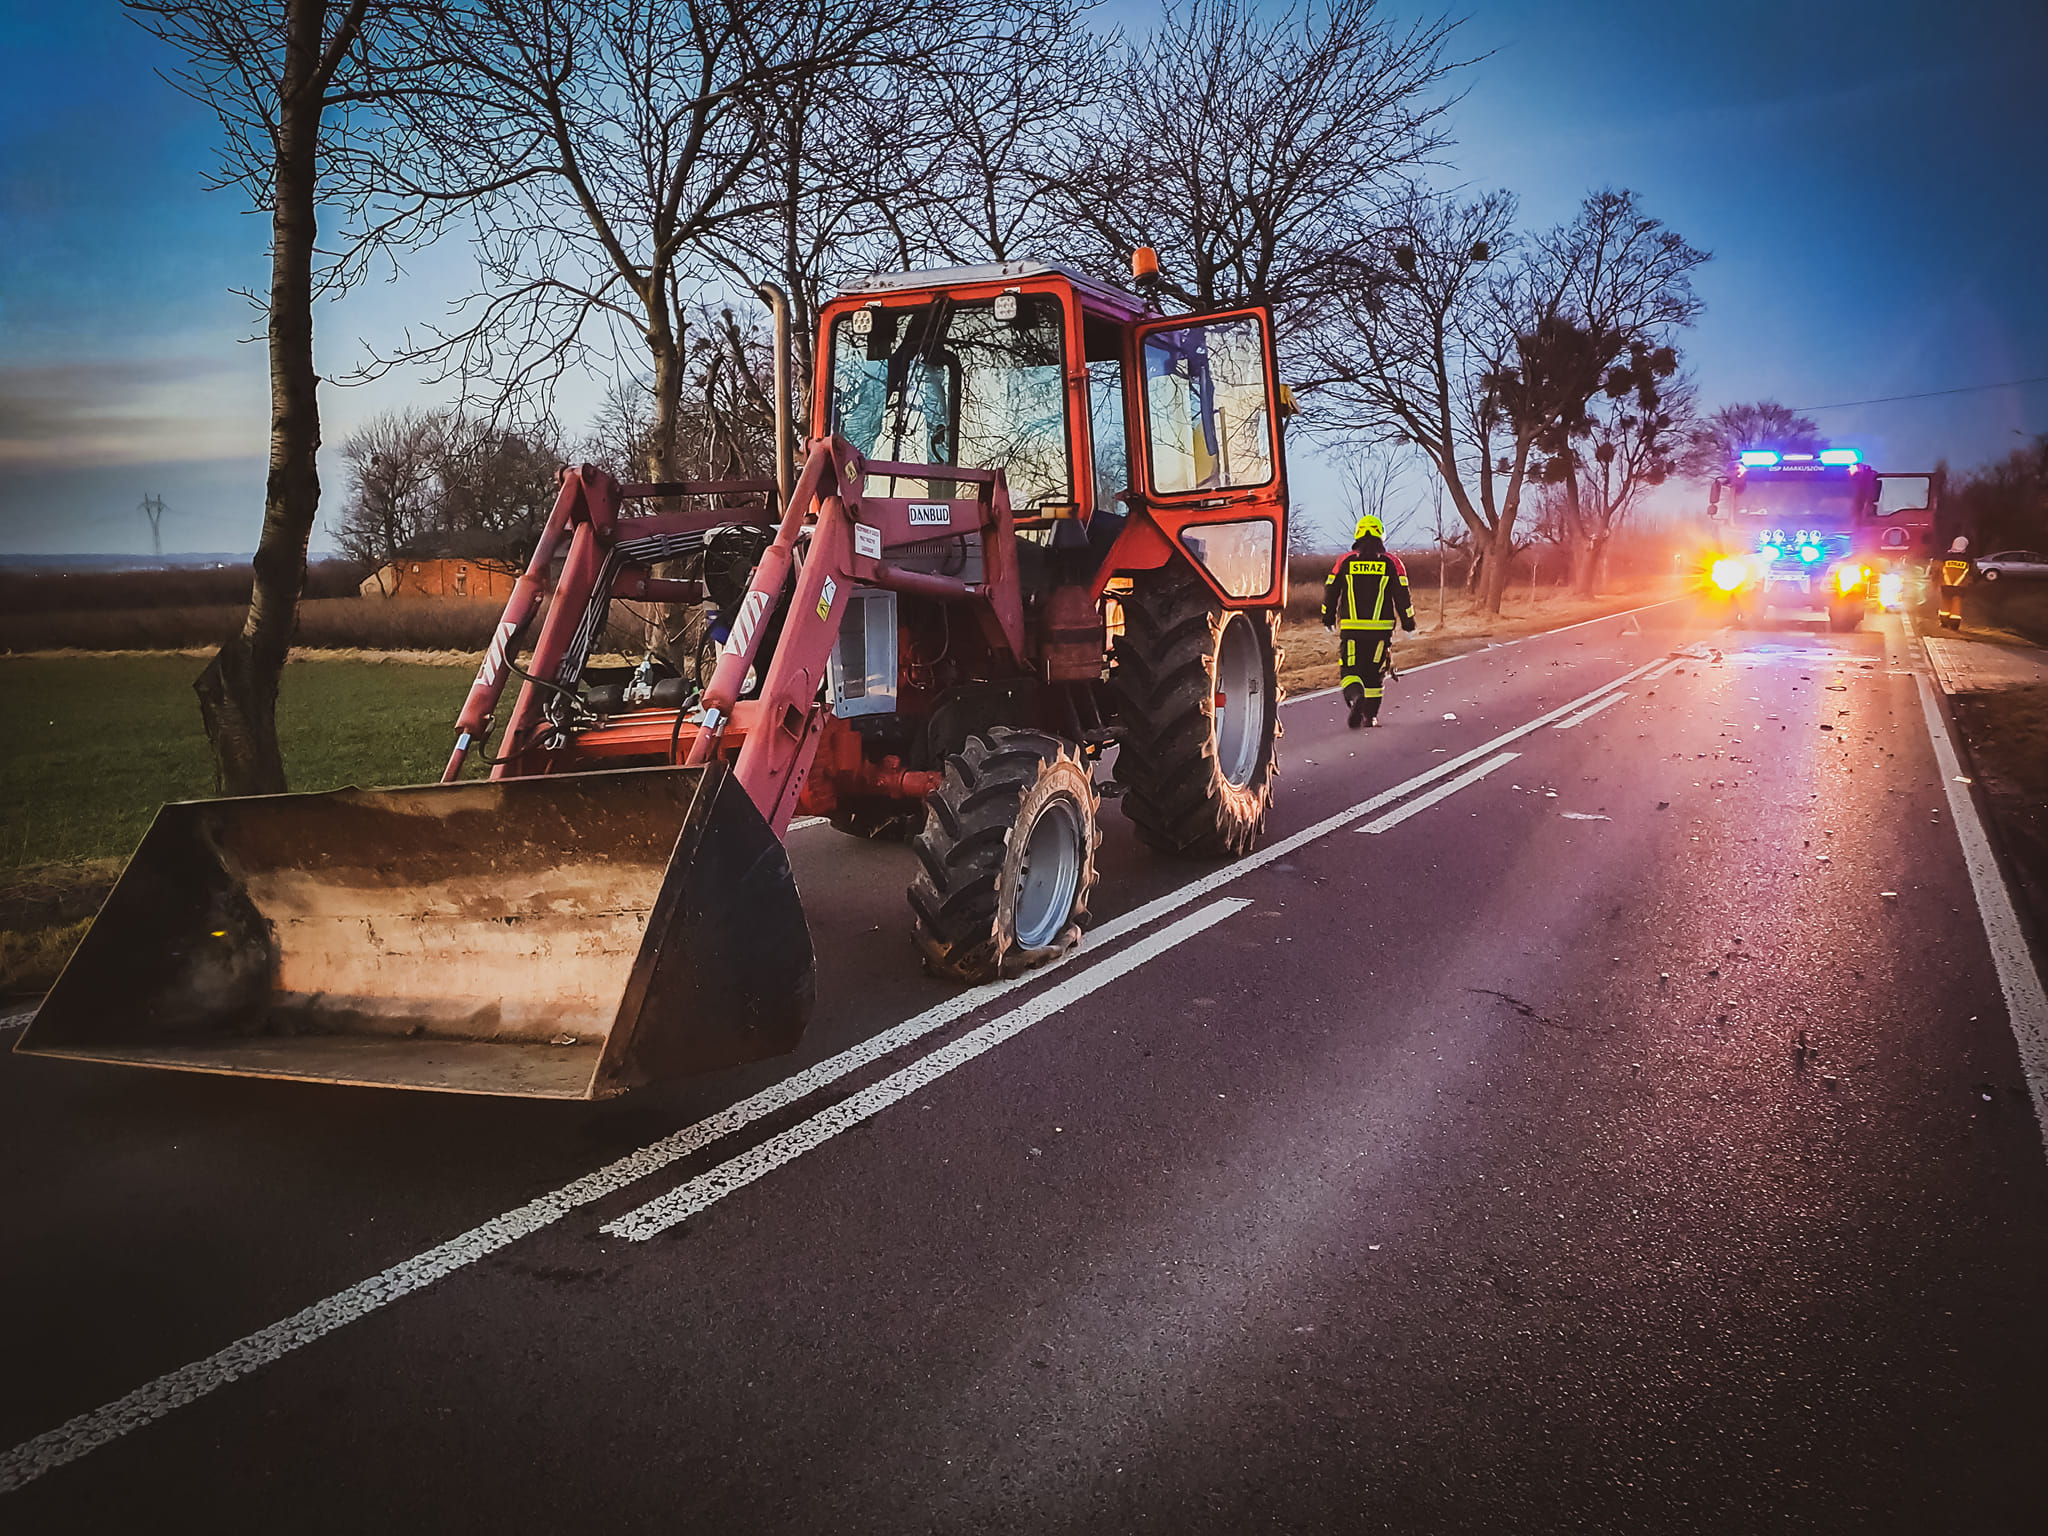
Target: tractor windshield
1806,502
974,384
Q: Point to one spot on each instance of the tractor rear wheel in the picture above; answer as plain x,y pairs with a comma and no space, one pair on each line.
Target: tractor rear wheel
1007,856
1197,694
1845,616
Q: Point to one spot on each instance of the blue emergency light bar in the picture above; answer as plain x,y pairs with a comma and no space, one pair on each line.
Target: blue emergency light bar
1840,456
1759,458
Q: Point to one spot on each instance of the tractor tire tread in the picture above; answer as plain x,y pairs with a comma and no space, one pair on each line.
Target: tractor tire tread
1161,674
954,896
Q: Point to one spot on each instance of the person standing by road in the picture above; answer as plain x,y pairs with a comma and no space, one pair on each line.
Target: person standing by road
1364,594
1955,570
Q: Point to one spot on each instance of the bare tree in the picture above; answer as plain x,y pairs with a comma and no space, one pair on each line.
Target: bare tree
1254,149
1714,446
620,143
1368,471
442,483
300,88
1627,289
1637,428
1446,538
497,483
1424,351
1004,118
1485,354
391,464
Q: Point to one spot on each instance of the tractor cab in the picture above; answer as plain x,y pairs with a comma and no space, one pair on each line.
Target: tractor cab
1115,430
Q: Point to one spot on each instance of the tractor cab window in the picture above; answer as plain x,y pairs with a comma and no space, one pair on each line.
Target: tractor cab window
1107,434
1208,418
974,384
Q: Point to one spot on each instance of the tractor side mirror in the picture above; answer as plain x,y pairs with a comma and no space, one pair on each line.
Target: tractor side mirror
1714,498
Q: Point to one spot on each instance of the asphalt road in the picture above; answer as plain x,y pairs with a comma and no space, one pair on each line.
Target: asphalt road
1633,1138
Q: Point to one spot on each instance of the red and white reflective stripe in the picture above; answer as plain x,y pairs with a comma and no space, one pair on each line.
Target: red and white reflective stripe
494,654
750,615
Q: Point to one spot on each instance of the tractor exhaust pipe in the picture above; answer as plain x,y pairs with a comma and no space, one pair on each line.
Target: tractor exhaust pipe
778,306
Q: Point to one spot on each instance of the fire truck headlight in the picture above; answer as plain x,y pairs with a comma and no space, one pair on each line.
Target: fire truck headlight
1729,573
1809,553
1891,589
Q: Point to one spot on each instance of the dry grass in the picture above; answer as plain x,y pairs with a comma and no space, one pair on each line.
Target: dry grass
1311,660
44,912
30,962
325,624
185,586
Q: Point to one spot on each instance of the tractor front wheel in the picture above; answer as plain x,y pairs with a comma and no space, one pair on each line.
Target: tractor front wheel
1197,696
1007,856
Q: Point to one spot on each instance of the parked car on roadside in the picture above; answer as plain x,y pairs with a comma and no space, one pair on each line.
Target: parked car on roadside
2014,565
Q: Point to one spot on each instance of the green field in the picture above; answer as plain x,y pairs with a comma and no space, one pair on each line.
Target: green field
94,745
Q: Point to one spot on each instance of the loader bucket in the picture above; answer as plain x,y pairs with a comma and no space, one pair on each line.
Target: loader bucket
564,936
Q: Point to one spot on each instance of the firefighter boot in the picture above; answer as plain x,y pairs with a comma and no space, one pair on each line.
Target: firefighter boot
1354,695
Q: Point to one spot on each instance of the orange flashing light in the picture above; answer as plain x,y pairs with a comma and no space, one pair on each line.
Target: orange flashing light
1144,266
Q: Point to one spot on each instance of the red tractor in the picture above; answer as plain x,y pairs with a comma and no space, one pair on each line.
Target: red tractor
1033,521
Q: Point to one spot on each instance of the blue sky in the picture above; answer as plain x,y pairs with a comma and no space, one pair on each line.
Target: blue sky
1870,178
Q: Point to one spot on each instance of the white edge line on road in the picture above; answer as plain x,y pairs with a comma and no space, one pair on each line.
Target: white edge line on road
1586,714
2026,1005
1394,818
735,1173
89,1431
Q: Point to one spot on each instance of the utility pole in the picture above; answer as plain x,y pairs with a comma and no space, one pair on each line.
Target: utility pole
153,509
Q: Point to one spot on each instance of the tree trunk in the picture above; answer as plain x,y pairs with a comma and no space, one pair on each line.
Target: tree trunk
1493,584
668,401
1584,545
238,690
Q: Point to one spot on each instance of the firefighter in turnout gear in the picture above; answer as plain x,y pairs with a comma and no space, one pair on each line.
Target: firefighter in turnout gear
1364,594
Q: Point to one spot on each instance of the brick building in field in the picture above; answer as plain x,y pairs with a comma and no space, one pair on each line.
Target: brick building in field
439,578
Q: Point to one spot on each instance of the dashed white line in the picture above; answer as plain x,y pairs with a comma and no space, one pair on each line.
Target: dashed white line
1586,714
1441,792
89,1431
735,1173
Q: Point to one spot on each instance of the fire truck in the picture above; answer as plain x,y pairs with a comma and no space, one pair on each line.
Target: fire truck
1817,534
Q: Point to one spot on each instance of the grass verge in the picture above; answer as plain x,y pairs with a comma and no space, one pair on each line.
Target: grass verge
96,744
2006,733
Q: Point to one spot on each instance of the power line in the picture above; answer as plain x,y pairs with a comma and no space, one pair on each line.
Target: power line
1967,389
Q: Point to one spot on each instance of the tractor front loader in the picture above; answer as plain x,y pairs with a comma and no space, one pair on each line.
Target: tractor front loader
1035,529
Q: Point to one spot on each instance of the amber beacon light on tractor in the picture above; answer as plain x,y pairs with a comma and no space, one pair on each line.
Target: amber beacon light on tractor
1816,534
1035,528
